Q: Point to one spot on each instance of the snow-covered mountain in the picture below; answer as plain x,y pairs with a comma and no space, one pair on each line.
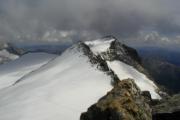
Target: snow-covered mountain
61,88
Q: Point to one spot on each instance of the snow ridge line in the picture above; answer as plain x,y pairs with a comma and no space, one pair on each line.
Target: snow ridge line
99,61
93,59
19,80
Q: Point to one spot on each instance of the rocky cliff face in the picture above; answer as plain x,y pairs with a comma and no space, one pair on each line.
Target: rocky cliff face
123,102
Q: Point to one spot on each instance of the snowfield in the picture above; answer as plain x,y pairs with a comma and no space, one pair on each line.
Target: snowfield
60,88
14,70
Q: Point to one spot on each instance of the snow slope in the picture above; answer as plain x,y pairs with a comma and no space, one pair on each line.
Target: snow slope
14,70
60,90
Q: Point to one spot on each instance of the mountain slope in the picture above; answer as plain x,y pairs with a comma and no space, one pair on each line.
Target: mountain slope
66,86
164,73
14,70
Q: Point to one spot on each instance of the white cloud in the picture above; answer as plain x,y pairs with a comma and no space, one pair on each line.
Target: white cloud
153,39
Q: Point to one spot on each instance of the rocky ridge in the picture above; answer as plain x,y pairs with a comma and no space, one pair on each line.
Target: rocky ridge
123,102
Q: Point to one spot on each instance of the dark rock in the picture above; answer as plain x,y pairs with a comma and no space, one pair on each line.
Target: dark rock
133,53
119,51
147,96
95,113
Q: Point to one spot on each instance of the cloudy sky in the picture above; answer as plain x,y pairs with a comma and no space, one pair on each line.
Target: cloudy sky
137,22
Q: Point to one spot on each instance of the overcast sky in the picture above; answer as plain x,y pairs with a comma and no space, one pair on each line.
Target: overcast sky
66,21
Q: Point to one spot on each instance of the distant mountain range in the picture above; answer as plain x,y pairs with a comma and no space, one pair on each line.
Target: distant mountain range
164,54
163,65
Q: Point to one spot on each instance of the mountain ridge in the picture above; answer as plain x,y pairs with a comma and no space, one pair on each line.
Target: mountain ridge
73,81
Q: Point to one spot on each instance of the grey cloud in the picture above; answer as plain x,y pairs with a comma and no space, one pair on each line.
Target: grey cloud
31,20
153,39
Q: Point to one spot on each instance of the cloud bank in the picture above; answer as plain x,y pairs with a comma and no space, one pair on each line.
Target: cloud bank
68,21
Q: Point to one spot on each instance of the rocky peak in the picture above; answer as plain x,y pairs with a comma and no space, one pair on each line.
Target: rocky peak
113,49
124,51
123,102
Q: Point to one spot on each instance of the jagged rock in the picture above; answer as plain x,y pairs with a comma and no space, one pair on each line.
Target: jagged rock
147,96
123,102
119,51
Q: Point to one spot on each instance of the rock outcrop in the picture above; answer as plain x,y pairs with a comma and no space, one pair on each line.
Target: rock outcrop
123,102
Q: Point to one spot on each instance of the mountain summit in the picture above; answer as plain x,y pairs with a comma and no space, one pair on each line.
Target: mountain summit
69,84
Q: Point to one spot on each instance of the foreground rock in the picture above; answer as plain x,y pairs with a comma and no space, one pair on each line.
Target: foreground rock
123,102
